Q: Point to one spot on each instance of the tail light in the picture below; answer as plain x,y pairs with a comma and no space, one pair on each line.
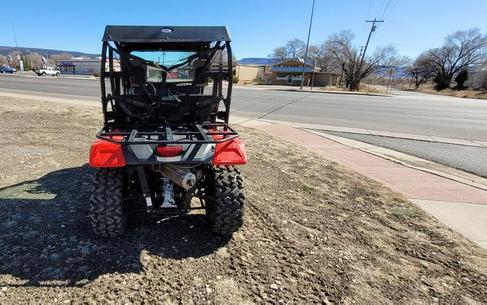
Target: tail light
230,152
106,154
169,151
118,138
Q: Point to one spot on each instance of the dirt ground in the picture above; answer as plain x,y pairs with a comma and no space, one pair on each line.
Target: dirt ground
314,233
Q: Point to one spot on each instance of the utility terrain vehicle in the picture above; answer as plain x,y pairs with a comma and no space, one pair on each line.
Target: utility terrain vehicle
165,93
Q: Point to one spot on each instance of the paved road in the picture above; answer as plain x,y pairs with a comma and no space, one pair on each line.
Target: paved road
88,89
468,158
406,113
413,113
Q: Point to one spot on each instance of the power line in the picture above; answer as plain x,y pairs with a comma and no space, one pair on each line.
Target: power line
391,9
380,7
385,9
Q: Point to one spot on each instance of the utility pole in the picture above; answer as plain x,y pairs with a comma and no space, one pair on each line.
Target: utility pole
361,50
313,74
19,57
307,43
391,72
372,29
15,38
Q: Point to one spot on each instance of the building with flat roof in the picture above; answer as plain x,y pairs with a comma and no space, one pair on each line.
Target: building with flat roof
255,69
283,72
82,66
290,72
79,66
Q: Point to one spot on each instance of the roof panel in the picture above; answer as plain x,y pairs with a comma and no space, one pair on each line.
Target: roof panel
128,33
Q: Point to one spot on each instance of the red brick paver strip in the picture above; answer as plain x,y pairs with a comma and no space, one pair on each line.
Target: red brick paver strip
414,184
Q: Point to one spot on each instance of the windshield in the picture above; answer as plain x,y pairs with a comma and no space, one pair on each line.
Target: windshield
168,59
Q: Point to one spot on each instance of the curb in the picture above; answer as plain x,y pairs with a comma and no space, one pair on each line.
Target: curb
350,143
406,136
367,148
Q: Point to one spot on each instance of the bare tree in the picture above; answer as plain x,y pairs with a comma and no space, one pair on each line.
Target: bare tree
461,49
346,55
33,61
3,60
314,51
61,56
279,52
322,58
55,57
293,49
15,62
421,70
479,78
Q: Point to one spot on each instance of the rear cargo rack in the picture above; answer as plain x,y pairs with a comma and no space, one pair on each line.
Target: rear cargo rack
191,133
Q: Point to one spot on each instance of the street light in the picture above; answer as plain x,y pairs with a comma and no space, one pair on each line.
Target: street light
307,43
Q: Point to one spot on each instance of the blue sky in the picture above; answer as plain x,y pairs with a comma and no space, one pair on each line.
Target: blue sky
257,27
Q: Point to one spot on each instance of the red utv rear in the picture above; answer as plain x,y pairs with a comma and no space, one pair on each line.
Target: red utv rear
166,138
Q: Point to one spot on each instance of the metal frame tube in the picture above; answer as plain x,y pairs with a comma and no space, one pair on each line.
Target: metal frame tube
102,80
228,100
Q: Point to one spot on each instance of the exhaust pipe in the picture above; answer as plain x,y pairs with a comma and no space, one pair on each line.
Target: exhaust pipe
181,176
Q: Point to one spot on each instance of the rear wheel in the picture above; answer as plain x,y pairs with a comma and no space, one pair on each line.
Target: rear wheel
107,215
225,204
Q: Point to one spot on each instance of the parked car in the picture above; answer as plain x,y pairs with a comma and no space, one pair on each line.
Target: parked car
48,71
6,69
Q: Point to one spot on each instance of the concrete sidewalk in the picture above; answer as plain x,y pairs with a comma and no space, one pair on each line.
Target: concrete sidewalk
462,207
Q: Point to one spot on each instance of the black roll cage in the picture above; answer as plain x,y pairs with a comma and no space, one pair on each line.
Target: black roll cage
119,46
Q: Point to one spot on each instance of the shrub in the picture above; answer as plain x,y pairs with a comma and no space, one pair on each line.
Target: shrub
461,78
404,212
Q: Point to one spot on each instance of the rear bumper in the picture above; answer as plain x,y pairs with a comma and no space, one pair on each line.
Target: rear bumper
141,154
215,144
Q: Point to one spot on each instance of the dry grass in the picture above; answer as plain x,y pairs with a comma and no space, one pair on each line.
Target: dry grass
473,94
362,89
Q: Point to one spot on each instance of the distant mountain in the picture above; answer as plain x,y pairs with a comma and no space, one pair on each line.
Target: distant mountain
5,50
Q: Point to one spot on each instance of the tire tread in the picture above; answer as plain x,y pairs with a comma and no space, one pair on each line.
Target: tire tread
228,201
107,216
